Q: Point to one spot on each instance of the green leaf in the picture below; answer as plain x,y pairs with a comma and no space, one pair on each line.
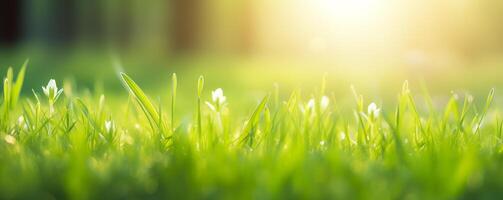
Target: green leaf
248,130
200,86
18,85
489,101
86,113
6,93
173,100
142,99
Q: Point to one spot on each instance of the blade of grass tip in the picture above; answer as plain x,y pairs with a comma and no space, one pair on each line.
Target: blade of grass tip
133,102
489,101
7,89
358,99
28,115
395,131
16,88
359,116
10,74
466,107
412,104
268,123
38,107
160,126
451,109
291,107
250,125
4,109
292,101
142,99
174,85
6,92
200,86
429,102
86,113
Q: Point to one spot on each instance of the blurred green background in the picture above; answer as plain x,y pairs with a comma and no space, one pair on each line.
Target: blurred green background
247,45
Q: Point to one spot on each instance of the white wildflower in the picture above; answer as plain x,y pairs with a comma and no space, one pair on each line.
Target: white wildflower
20,120
218,96
218,99
10,139
51,91
454,95
109,125
324,102
310,104
342,135
470,98
372,110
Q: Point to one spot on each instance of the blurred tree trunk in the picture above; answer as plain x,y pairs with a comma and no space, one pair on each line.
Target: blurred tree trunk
10,22
63,22
91,21
247,27
185,27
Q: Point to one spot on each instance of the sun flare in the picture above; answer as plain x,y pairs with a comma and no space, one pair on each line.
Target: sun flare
348,11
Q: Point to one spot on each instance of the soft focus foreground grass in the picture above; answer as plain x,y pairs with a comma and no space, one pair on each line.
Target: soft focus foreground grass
263,142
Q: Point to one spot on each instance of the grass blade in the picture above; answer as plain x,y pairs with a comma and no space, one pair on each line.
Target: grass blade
142,99
252,122
18,85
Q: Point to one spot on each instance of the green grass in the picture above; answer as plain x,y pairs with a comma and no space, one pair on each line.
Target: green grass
310,145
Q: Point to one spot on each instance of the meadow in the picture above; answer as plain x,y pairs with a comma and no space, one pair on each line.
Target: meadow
190,138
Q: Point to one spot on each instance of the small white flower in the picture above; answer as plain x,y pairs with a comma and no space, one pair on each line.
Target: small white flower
310,104
322,143
218,99
455,95
470,98
20,120
10,139
342,135
109,126
51,90
324,102
373,110
218,96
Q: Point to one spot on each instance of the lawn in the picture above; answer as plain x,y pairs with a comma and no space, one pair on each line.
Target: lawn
232,133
